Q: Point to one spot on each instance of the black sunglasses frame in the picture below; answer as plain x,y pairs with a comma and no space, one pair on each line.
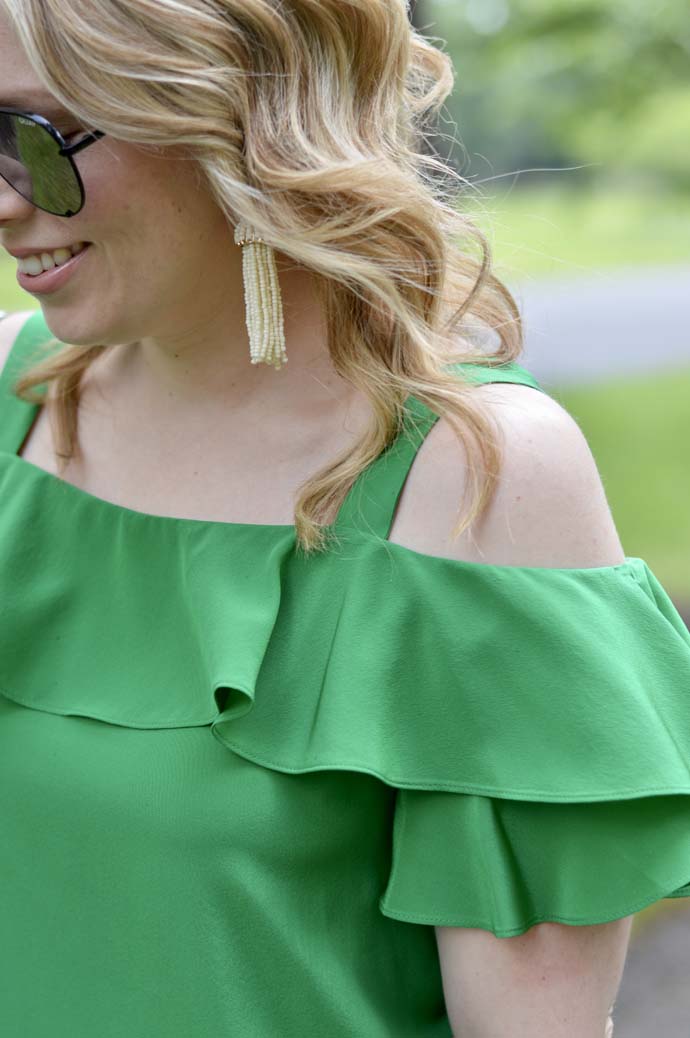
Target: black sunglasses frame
65,151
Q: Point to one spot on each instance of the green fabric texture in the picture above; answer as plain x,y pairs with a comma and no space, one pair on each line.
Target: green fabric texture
239,787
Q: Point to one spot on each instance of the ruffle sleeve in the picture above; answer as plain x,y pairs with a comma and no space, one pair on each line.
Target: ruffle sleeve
505,865
597,710
535,722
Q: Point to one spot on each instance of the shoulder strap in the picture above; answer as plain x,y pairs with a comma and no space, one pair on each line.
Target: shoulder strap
17,416
371,501
369,505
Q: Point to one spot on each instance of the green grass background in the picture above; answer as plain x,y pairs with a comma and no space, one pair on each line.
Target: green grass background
555,231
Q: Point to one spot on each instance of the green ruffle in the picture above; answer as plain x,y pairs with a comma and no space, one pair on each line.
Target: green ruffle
522,682
505,865
535,722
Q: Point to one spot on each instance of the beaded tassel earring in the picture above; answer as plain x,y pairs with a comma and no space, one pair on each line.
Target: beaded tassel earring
263,301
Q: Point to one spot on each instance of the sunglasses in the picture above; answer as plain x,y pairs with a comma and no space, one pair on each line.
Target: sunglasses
38,163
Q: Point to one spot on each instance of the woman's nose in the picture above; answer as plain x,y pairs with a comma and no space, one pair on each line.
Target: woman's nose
13,206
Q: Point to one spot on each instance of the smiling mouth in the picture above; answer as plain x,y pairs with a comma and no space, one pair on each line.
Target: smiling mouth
41,263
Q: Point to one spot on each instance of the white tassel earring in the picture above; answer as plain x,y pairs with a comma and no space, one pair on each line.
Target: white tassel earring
263,302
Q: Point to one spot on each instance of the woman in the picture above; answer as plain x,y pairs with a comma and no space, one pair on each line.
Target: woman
283,751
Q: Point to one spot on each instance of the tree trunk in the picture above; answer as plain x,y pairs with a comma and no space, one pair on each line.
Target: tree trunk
421,18
419,14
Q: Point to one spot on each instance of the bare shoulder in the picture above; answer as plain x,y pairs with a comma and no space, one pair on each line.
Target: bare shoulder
10,327
549,508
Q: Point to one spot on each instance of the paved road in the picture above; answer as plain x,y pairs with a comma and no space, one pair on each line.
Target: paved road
589,328
654,996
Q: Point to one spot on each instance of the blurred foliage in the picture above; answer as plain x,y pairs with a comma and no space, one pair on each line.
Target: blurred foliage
562,82
554,229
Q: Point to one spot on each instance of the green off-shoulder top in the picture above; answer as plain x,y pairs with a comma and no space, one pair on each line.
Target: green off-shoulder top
239,786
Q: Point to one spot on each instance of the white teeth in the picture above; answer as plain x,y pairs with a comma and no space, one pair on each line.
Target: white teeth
47,260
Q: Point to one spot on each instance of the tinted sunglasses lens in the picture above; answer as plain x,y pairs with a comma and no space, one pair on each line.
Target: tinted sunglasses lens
31,163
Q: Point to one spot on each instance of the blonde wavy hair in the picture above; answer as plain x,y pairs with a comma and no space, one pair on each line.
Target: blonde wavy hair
308,120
